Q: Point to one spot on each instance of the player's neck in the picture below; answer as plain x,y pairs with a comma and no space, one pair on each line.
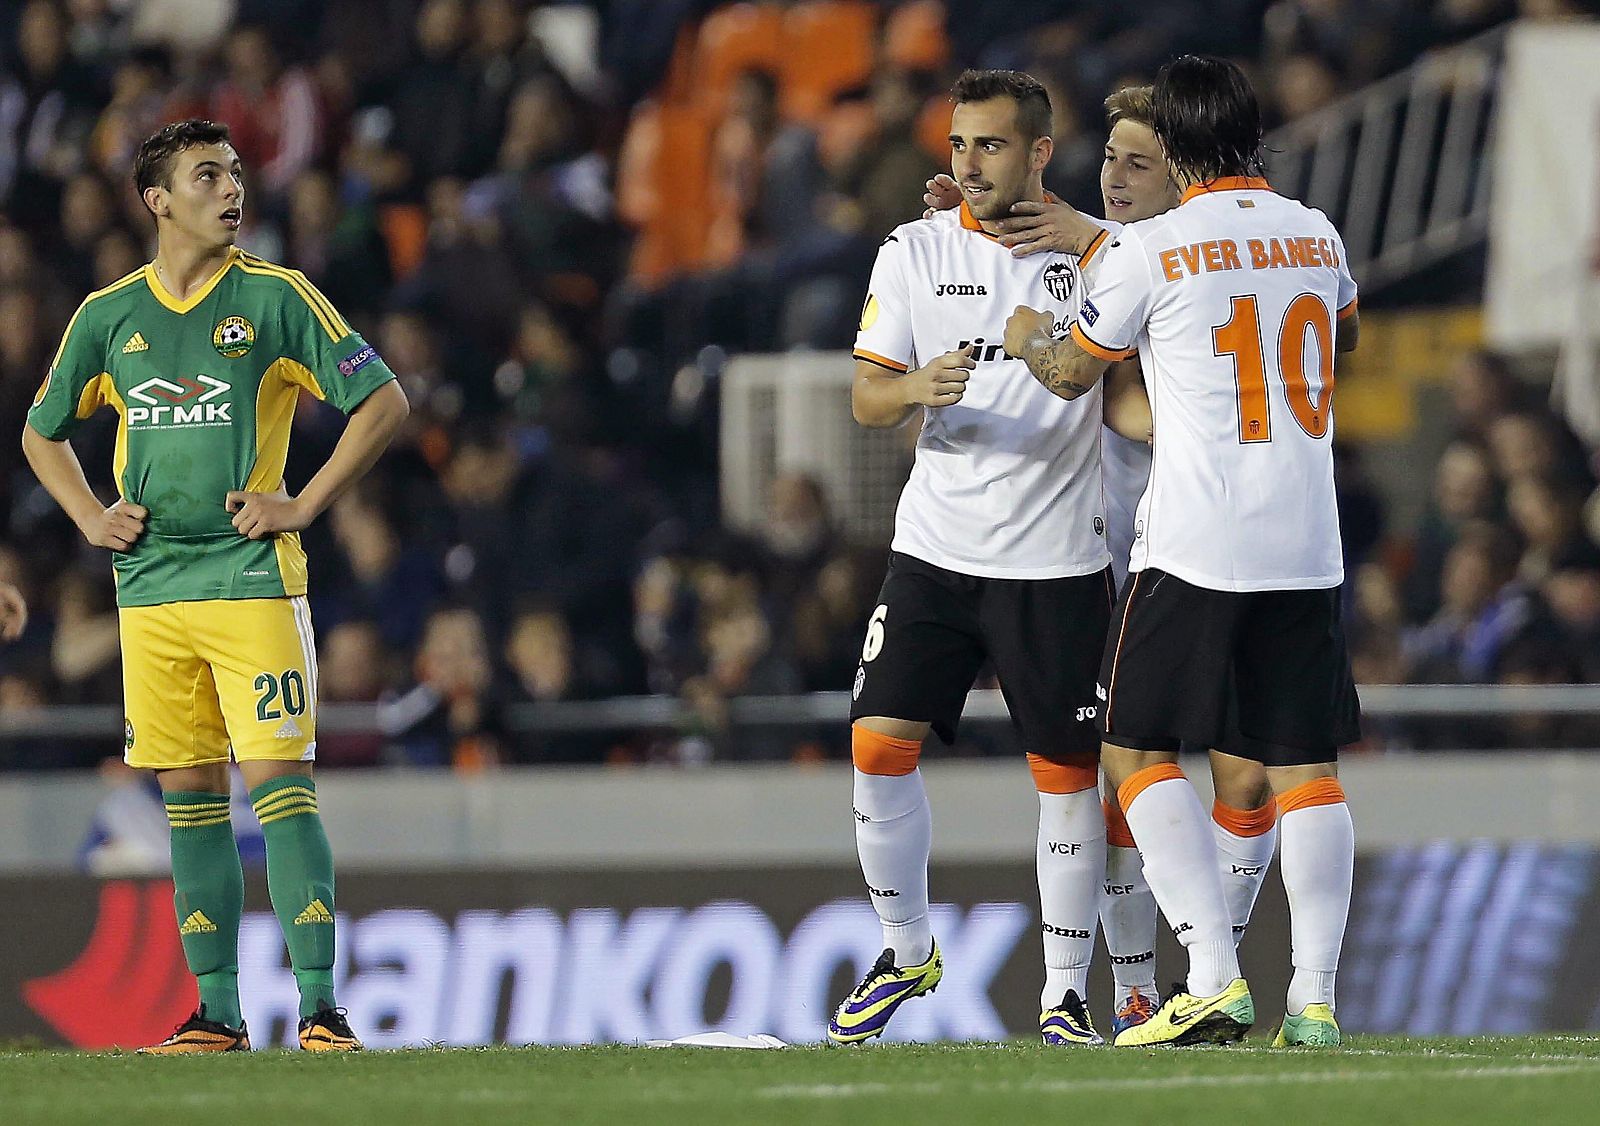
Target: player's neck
183,266
1034,193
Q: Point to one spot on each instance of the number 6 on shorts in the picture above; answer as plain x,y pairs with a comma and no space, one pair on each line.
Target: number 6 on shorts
874,643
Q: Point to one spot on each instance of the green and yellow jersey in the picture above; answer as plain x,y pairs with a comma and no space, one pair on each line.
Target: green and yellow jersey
205,390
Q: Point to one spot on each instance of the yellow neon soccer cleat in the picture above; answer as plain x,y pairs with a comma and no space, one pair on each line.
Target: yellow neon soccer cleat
1068,1024
1186,1019
1313,1028
866,1011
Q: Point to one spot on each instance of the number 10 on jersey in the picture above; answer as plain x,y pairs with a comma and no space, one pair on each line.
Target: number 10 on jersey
1240,338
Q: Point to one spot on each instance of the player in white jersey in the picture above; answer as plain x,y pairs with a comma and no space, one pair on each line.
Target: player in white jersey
998,555
1136,184
1231,618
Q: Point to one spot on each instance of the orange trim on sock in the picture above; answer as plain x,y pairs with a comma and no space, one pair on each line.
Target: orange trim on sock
1117,832
1318,791
1074,774
874,753
1246,822
1142,780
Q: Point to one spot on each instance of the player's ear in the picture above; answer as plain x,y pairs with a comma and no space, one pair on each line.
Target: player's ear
1043,149
155,199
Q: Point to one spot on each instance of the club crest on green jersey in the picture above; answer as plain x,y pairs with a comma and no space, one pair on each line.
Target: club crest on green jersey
233,337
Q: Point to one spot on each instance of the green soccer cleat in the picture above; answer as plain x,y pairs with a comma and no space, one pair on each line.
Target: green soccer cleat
1313,1028
1186,1019
866,1011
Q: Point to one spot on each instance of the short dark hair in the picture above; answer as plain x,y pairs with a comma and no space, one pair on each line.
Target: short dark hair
152,168
1207,118
1034,116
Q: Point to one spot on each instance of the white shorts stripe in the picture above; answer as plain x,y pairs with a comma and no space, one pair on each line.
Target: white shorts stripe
308,648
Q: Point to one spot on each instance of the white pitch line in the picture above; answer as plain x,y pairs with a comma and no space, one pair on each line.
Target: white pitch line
1394,1054
1069,1086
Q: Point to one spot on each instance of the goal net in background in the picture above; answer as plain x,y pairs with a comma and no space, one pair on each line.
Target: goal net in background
790,413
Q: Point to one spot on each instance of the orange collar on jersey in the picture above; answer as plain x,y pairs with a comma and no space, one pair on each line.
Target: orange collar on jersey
1226,184
970,222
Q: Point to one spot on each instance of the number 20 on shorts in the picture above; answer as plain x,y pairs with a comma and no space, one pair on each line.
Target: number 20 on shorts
287,688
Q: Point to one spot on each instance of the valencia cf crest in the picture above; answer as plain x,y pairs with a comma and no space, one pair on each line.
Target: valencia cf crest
1058,280
233,337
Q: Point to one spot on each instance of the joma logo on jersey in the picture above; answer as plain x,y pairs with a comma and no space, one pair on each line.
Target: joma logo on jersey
953,289
184,402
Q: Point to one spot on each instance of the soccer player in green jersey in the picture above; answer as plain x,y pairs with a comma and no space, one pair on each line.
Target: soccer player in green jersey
204,353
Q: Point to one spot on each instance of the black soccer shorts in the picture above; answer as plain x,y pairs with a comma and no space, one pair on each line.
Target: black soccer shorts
1262,675
933,629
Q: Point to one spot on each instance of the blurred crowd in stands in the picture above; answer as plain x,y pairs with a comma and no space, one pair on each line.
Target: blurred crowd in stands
555,222
1500,581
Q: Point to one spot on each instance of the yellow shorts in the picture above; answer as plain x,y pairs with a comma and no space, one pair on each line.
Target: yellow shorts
201,680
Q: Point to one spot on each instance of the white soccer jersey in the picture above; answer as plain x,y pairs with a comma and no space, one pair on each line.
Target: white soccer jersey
1006,482
1230,301
1126,466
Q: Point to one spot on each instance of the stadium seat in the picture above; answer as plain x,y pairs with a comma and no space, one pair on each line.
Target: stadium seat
404,227
732,40
932,129
662,177
828,47
914,36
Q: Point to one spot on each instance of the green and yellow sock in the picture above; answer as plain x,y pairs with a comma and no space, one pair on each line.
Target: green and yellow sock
300,879
208,883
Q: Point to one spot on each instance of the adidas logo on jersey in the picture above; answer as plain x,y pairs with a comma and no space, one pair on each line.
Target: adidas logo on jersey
315,912
289,730
953,289
136,343
197,923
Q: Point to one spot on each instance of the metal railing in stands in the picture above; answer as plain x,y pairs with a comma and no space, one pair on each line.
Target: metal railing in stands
1378,701
1402,166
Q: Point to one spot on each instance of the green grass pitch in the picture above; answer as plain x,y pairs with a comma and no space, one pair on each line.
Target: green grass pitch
1384,1080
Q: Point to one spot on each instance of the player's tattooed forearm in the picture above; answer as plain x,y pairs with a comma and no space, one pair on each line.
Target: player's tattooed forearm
1050,361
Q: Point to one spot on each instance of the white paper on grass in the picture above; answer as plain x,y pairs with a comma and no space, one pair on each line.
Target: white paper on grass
719,1040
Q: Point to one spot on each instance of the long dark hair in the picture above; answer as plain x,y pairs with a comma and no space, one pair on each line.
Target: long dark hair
1206,116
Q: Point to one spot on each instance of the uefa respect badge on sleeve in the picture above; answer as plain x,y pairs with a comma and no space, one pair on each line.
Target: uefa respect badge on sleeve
357,360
